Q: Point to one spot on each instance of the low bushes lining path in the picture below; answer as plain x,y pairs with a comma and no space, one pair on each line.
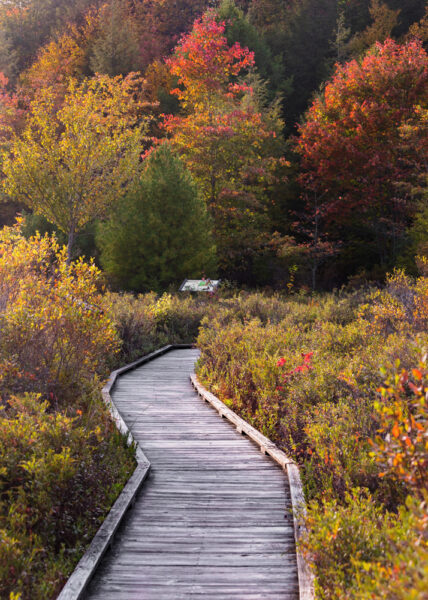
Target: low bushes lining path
213,521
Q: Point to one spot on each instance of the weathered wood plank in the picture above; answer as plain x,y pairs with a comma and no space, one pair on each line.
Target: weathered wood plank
306,590
214,518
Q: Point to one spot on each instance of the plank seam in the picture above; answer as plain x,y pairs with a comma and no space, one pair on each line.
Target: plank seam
305,575
77,583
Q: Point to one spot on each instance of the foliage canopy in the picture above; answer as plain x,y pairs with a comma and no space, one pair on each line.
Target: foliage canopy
72,163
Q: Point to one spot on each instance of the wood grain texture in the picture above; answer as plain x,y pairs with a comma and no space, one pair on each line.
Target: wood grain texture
213,519
298,505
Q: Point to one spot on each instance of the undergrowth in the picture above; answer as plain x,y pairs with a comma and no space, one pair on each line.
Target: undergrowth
340,383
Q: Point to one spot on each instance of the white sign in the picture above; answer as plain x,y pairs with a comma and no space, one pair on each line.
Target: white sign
199,285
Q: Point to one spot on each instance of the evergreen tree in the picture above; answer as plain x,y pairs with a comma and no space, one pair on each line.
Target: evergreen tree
339,43
239,29
307,37
160,232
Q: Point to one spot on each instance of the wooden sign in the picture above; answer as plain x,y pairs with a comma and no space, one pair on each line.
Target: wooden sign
199,285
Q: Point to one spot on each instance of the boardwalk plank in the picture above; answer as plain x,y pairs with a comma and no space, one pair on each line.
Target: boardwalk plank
214,519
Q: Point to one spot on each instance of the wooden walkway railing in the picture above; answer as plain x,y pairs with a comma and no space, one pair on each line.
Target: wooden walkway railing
213,521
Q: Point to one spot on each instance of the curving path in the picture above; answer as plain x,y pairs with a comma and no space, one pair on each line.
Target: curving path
213,521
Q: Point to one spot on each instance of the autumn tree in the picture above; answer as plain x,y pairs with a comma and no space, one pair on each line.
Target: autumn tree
116,48
419,29
306,36
354,153
229,142
159,83
71,165
239,29
383,22
63,58
11,115
411,11
162,23
11,122
204,64
26,26
160,232
413,138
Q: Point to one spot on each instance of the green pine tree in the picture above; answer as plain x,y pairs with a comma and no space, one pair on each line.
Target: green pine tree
160,232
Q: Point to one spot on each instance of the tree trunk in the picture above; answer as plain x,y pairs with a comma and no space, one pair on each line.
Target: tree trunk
314,276
70,244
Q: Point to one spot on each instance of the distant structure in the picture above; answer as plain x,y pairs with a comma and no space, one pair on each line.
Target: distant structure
199,285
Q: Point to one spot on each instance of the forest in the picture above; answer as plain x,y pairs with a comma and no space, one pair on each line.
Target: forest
277,145
292,132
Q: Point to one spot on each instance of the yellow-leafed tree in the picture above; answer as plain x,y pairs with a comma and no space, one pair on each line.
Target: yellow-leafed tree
71,164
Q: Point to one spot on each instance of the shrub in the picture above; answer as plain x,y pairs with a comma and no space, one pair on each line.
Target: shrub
324,416
402,307
58,477
402,446
62,462
311,380
179,318
147,322
361,552
54,335
135,325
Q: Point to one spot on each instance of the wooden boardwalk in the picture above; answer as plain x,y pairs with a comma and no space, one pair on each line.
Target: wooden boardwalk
213,521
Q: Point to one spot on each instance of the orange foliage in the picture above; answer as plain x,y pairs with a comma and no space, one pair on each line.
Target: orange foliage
402,446
61,59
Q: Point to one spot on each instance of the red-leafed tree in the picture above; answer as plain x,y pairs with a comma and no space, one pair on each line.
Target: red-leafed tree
10,113
204,63
353,152
230,143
